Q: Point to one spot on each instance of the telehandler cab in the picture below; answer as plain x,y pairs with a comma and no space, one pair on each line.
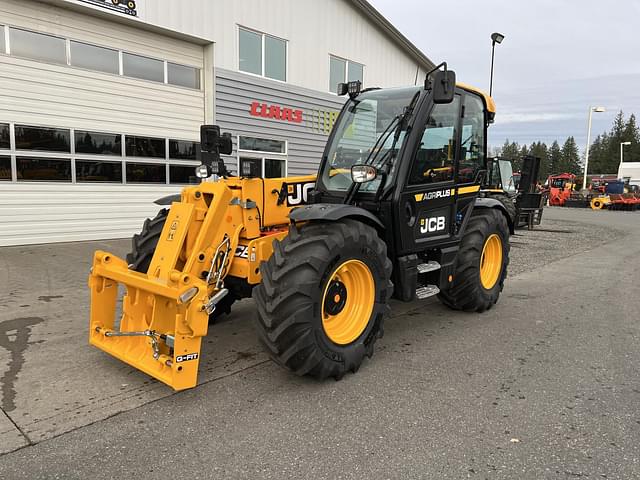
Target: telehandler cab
394,211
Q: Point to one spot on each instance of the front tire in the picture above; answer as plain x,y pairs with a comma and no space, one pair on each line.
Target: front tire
481,265
323,298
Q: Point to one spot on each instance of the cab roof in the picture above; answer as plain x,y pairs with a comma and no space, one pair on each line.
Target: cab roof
491,106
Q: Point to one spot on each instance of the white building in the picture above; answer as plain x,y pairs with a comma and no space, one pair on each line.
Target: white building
630,171
101,100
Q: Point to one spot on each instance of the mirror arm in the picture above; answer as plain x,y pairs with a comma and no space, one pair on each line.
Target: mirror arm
435,69
383,181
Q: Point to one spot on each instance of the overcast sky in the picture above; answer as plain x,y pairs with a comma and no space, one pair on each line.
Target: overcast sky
558,58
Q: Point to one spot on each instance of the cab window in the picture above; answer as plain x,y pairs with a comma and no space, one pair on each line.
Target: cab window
434,160
472,147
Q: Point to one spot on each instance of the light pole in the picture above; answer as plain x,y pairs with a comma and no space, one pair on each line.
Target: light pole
622,144
495,38
586,155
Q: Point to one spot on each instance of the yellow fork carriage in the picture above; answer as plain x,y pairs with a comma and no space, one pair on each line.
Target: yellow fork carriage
217,229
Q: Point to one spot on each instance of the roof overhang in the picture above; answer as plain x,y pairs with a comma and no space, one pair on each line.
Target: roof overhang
88,9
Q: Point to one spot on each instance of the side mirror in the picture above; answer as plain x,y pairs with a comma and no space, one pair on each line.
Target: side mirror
444,86
226,145
212,141
363,173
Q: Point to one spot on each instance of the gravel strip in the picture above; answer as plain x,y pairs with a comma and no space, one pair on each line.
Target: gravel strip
554,240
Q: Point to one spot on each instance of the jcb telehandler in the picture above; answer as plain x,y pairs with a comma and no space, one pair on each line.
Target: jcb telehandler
394,211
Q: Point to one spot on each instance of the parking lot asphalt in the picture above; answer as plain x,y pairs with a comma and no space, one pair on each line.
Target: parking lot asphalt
544,385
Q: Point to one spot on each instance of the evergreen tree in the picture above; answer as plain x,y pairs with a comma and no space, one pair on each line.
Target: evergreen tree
631,133
555,157
598,154
510,150
570,162
604,154
612,152
517,163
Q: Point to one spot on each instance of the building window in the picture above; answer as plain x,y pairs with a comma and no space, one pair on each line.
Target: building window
274,168
341,70
145,147
38,46
92,57
263,55
42,138
5,142
252,157
146,173
145,68
275,58
43,169
355,71
98,171
183,150
262,145
250,52
183,76
98,143
50,48
183,174
5,168
3,46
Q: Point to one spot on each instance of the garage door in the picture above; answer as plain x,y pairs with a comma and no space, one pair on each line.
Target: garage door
97,119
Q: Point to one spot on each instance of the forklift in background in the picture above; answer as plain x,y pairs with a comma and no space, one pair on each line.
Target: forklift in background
517,191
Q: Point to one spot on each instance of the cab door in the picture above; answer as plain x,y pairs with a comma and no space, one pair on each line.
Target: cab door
426,207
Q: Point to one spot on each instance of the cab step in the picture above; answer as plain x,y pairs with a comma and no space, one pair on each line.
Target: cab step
430,266
427,291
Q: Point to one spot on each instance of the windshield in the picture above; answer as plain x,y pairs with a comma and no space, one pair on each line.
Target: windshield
509,180
357,131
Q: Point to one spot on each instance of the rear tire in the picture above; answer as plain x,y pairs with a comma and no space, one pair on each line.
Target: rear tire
487,228
509,206
319,274
143,246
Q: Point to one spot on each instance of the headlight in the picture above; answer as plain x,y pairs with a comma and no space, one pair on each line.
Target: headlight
202,171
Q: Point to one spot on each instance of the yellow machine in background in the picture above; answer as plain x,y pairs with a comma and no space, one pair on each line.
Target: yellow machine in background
598,203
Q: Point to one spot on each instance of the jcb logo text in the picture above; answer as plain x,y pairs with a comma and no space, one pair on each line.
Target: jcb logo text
435,224
298,193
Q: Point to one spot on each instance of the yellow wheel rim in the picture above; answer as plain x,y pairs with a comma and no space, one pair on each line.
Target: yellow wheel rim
347,302
491,262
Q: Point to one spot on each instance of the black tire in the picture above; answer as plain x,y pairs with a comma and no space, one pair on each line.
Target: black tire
466,292
509,206
290,297
143,246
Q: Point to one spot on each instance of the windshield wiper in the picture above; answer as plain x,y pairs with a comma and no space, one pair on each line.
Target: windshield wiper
401,123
